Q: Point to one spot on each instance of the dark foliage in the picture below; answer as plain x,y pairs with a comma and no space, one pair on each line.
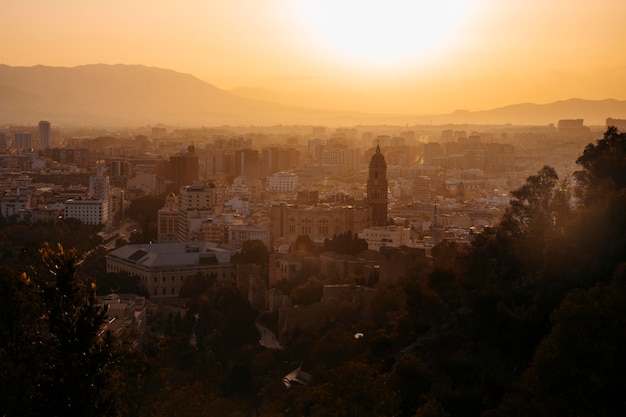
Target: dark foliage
345,243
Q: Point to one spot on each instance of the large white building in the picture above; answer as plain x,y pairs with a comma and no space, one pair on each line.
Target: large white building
88,210
163,267
386,236
282,181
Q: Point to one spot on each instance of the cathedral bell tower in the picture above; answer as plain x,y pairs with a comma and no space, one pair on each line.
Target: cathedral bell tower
377,188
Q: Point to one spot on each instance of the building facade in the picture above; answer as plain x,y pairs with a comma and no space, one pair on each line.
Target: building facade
162,268
319,222
196,203
282,181
377,187
88,210
44,135
386,236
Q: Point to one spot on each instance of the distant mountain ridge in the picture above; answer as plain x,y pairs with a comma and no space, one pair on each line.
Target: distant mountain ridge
134,95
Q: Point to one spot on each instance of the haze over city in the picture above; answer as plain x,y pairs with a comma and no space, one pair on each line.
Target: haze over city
417,57
313,208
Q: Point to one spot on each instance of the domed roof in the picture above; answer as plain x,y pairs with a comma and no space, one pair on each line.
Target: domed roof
378,158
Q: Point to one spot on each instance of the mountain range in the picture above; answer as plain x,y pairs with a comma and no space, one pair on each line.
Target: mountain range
134,95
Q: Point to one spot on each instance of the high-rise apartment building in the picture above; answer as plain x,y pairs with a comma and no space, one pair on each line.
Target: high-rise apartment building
44,135
196,203
183,169
22,140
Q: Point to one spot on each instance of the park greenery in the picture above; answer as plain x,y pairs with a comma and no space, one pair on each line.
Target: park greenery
528,320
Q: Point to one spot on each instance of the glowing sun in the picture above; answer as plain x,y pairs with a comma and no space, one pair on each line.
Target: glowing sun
383,33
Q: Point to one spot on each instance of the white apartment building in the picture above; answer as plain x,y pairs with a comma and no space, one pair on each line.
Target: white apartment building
196,203
386,236
282,181
87,210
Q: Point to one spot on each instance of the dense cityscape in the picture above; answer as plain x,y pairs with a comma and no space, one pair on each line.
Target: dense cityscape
255,271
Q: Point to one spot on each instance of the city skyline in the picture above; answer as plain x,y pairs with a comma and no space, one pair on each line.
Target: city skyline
401,57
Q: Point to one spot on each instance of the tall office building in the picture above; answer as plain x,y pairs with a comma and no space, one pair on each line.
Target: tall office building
22,140
377,187
44,135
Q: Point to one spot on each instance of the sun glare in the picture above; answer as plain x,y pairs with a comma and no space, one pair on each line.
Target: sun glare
383,33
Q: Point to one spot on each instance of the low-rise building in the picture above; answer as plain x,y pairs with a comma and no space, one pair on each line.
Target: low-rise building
386,236
163,267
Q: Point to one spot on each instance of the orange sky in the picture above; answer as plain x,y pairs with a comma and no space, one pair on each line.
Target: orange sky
402,56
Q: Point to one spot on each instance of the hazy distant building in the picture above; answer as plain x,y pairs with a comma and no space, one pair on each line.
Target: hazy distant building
282,181
44,135
421,188
572,128
158,133
281,159
314,148
247,163
4,140
620,124
183,169
377,188
432,151
22,140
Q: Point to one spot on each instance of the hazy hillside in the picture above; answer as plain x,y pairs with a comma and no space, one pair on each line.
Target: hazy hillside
131,95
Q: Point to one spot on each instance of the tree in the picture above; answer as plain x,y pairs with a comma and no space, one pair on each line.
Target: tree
345,243
530,210
252,252
604,166
78,362
539,208
144,211
578,369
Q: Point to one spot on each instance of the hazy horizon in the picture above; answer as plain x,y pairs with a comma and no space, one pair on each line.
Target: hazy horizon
401,57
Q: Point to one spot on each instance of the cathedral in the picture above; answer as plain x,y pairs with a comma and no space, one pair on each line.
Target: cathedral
377,188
